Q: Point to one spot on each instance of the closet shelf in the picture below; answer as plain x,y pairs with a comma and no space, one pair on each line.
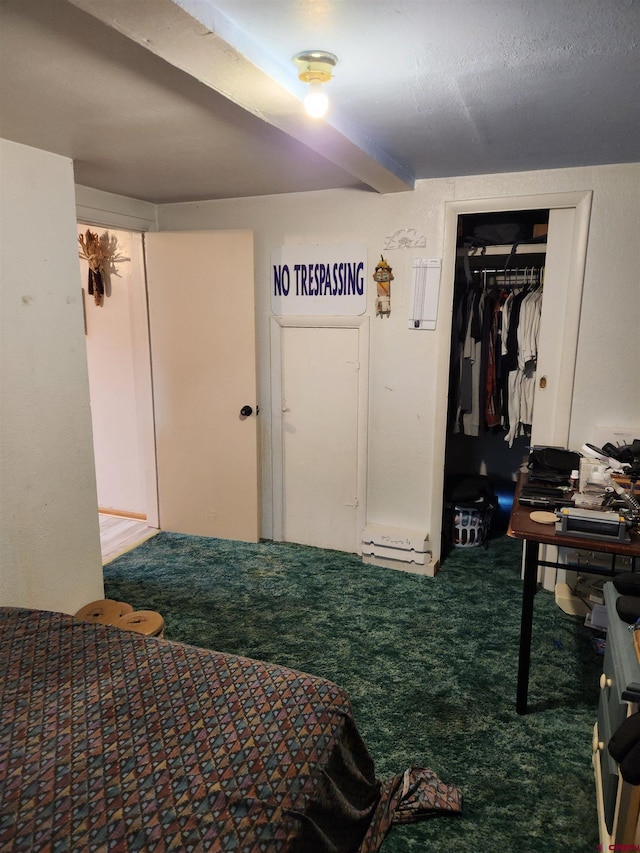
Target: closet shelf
487,251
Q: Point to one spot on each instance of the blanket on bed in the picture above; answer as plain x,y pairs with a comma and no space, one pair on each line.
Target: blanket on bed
110,740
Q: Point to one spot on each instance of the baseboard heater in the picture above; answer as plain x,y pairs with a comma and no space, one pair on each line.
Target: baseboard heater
397,548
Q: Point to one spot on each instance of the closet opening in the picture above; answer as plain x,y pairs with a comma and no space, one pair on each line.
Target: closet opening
497,302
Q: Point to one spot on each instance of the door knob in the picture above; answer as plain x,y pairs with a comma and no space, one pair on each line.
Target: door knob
245,411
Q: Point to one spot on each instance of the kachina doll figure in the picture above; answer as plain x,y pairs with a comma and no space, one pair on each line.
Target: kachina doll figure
383,276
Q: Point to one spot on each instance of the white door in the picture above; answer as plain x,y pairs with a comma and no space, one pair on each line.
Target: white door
202,323
321,400
558,337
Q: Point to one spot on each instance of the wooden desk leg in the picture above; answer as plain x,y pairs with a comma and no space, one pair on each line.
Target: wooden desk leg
530,582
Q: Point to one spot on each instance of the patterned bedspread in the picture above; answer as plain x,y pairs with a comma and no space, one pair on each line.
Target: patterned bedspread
110,740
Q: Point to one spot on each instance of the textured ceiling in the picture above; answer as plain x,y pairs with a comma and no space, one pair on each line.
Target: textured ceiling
173,100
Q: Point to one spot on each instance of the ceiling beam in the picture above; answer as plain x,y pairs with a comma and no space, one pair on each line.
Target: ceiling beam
171,33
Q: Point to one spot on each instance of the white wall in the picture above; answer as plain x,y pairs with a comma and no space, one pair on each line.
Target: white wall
49,536
404,364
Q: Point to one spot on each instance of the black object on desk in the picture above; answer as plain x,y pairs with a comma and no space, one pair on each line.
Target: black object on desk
533,535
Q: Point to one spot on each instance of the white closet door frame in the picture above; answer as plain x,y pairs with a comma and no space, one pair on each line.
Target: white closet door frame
571,229
277,447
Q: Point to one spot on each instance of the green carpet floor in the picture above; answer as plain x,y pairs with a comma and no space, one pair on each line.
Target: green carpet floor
430,665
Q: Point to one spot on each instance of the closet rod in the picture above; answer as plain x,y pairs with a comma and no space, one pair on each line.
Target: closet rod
512,278
510,271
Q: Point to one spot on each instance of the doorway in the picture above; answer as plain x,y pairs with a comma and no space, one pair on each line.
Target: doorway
119,370
565,259
190,450
497,305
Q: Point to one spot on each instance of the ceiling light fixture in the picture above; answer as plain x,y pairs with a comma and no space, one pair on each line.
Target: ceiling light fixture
314,68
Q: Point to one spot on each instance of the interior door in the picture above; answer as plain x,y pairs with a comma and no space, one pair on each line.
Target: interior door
558,337
202,326
320,403
569,215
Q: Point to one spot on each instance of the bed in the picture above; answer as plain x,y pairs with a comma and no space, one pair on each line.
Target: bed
110,740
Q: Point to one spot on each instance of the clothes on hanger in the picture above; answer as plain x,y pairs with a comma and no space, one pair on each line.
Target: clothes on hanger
496,321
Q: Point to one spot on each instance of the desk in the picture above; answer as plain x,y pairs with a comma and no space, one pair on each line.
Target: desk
535,534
